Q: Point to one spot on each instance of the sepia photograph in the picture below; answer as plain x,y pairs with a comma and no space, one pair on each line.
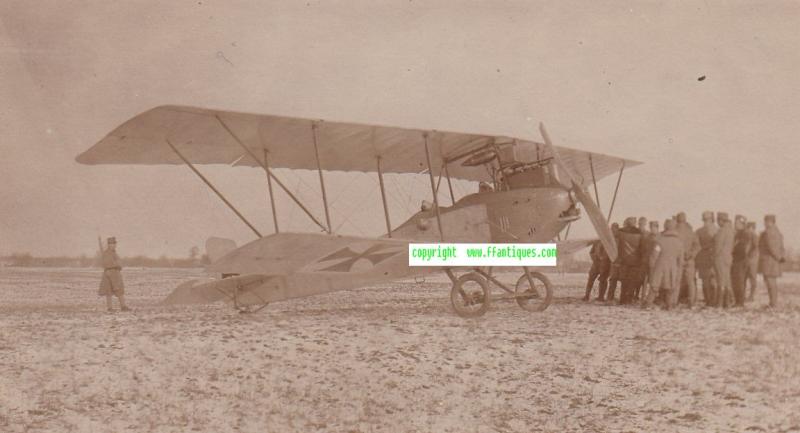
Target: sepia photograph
356,216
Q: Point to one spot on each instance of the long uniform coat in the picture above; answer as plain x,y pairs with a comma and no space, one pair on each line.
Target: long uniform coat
723,254
771,252
752,254
704,260
741,245
691,244
112,275
629,256
648,245
665,261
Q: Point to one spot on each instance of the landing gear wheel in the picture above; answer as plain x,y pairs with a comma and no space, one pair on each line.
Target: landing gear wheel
470,295
536,296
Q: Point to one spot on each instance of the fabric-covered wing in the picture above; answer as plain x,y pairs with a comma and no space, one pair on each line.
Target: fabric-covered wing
207,136
294,265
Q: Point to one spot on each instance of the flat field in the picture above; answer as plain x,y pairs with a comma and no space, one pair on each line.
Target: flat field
390,358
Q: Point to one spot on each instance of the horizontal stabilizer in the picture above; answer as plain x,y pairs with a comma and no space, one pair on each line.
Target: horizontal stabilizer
211,290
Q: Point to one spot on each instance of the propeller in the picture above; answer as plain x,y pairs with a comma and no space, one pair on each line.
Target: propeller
595,215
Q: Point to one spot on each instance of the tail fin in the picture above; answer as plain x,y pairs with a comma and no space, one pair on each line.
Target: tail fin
216,248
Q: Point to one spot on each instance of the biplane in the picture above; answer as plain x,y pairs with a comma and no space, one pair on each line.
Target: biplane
535,191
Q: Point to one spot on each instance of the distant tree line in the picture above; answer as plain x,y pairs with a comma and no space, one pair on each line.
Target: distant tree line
84,261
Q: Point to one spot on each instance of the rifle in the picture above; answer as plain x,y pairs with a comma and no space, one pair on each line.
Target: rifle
100,251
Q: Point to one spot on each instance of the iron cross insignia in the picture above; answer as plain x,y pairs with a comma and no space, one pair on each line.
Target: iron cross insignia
346,257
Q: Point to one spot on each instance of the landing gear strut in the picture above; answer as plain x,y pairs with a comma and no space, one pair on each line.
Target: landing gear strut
471,297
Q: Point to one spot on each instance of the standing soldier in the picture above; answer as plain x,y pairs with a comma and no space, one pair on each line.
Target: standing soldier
111,284
752,259
771,255
704,261
741,241
723,258
629,247
691,246
601,266
613,276
642,274
647,249
665,263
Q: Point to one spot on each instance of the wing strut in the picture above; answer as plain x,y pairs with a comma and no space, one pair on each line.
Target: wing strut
210,185
269,186
449,184
594,181
383,197
269,172
433,187
321,178
614,200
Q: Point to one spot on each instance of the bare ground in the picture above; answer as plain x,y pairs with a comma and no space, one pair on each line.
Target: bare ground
391,358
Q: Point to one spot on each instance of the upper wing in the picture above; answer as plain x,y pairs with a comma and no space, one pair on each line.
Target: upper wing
207,136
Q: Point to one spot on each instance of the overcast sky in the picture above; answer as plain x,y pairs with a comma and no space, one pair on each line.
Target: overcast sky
613,77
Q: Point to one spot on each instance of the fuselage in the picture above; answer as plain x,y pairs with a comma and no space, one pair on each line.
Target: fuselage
524,214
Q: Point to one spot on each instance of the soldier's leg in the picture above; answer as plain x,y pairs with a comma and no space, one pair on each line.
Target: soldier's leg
751,277
674,293
629,283
680,296
726,296
612,287
603,284
729,287
122,305
109,304
645,290
668,298
603,287
593,274
687,285
772,290
738,280
720,292
625,285
706,288
650,297
714,291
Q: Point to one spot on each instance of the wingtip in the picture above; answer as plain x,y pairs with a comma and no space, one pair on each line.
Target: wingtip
82,159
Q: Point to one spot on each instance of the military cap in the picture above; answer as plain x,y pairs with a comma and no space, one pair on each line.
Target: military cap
708,216
769,217
723,216
751,224
111,240
741,219
681,217
669,224
654,224
629,222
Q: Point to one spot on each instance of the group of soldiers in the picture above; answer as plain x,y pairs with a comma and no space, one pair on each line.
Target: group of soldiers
661,266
